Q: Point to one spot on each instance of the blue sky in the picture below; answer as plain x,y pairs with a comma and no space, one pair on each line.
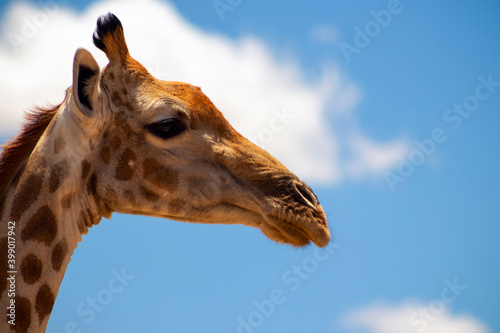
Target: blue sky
397,246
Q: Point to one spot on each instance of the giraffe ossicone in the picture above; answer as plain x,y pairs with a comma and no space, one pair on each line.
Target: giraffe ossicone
123,141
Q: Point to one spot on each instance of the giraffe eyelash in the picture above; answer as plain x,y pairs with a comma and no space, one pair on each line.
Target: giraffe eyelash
167,128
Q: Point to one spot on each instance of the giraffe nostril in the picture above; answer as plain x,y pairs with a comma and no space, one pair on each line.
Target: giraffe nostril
305,195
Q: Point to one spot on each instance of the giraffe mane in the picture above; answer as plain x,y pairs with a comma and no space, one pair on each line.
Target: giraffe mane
15,152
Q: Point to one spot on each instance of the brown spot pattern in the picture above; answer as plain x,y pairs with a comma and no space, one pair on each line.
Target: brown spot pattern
59,144
125,128
125,167
103,207
129,105
92,184
44,302
58,254
26,196
115,143
31,268
106,154
177,205
110,195
148,195
85,169
67,200
116,99
23,315
58,175
160,175
129,195
177,202
17,176
41,227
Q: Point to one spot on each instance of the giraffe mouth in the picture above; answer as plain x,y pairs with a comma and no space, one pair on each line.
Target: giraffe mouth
279,226
285,228
289,235
296,231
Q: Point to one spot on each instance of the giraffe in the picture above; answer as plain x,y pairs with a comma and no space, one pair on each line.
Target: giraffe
123,141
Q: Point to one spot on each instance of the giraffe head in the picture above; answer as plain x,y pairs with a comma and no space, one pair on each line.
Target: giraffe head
163,149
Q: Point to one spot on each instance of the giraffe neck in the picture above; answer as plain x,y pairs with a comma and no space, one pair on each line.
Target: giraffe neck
48,206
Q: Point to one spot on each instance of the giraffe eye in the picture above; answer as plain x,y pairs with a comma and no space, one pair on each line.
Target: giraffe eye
167,128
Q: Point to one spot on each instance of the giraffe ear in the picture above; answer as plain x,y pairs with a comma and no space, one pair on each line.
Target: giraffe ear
86,74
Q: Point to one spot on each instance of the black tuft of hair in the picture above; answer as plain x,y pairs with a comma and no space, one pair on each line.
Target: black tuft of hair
105,24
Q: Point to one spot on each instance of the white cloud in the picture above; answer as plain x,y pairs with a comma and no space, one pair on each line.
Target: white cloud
242,77
369,157
410,317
